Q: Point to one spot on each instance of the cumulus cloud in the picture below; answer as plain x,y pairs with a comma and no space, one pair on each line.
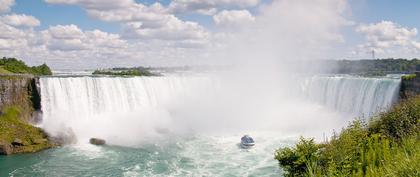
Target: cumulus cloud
10,32
20,20
233,18
169,28
71,37
95,4
63,45
65,32
154,34
387,36
208,7
141,21
5,5
134,12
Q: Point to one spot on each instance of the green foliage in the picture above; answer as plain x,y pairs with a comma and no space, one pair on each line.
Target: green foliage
294,160
344,149
401,121
11,128
140,71
387,146
16,66
3,71
408,77
41,70
378,66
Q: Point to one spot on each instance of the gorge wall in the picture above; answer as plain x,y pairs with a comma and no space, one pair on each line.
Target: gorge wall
19,103
20,90
410,85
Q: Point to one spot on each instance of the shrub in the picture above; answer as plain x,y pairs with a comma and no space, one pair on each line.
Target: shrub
125,72
294,160
387,146
19,67
401,121
408,77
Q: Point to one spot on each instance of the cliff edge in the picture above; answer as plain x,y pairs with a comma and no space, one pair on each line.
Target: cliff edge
19,107
410,85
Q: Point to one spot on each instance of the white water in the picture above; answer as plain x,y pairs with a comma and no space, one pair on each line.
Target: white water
190,125
357,96
123,110
128,111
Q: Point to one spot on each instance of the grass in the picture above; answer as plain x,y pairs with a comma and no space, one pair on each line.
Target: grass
4,71
389,145
11,128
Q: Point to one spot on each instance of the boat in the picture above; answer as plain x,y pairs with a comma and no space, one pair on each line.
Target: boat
247,141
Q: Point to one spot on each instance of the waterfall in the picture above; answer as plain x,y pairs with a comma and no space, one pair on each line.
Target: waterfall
89,96
124,105
130,110
358,96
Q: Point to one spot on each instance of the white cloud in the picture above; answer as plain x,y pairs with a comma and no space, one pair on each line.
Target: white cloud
135,12
387,36
71,37
105,40
95,4
208,7
169,28
140,21
65,32
233,18
154,34
20,20
10,32
13,39
5,5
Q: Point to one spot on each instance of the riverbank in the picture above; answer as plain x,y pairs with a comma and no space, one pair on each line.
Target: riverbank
387,145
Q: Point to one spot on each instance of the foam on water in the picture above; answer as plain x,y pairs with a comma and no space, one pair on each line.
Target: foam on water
184,156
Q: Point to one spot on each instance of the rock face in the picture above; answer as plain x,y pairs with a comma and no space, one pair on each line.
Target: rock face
19,103
5,148
17,142
97,141
20,90
410,87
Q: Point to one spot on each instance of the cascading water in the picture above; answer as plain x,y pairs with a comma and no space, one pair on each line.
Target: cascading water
115,107
148,113
357,96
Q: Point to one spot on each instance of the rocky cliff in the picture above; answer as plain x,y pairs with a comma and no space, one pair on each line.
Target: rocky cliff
410,85
20,90
19,106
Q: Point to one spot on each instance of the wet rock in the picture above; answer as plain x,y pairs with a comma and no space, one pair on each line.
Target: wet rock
97,141
17,142
5,148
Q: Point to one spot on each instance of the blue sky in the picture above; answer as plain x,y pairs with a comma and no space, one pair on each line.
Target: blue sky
387,26
405,12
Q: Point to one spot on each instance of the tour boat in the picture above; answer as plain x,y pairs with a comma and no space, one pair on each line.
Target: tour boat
247,142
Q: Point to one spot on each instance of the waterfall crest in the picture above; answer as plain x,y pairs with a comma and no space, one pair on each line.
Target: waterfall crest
130,110
358,96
